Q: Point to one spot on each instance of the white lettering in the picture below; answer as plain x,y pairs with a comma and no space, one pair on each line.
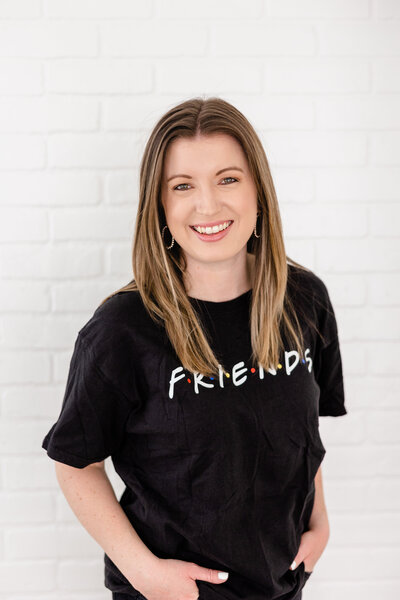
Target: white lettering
288,355
237,372
174,379
198,379
308,360
221,376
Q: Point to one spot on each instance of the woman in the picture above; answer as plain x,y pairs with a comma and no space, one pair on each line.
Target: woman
203,379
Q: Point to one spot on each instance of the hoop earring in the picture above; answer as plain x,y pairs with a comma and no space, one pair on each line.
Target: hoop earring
257,236
162,235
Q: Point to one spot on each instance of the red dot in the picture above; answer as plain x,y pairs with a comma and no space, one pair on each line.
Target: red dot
189,380
252,370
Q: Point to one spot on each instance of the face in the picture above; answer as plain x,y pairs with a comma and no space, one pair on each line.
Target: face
207,184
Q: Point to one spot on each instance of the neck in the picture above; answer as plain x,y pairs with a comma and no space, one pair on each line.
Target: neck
218,282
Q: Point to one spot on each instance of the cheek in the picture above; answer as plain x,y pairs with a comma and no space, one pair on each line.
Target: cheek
247,213
245,202
169,207
177,214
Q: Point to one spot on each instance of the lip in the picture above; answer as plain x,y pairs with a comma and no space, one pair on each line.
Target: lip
213,237
211,224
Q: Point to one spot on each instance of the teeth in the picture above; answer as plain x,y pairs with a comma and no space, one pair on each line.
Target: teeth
215,229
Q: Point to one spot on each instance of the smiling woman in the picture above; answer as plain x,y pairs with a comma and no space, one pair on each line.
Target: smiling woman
204,379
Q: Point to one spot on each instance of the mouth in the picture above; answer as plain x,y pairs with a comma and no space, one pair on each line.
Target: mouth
212,230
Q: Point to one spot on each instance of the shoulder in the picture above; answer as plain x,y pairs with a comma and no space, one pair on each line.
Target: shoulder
311,297
121,306
120,321
306,286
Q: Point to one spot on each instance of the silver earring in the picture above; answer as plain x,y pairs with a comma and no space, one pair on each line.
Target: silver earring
162,235
257,236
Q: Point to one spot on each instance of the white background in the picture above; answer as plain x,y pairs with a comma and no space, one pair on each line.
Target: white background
82,83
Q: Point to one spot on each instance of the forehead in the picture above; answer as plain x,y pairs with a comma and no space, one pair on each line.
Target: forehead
217,150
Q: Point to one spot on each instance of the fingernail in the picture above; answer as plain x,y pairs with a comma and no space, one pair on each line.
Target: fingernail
293,565
223,575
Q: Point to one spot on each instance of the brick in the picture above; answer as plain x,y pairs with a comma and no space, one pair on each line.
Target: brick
47,39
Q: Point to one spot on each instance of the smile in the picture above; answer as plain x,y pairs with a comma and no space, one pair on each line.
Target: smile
212,230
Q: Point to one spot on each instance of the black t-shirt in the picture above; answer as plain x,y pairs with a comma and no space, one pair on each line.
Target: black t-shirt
218,471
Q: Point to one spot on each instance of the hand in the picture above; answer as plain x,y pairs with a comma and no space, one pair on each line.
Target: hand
171,579
312,545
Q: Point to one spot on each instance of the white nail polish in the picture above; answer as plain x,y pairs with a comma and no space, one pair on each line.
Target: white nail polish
293,565
222,575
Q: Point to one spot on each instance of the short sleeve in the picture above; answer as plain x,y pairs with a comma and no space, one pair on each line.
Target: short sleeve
90,426
328,370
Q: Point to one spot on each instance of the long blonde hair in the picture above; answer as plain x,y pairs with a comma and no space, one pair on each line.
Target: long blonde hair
158,272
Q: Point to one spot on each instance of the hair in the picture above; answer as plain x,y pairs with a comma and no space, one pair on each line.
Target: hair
158,272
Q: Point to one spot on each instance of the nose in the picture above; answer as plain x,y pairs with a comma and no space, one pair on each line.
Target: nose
207,203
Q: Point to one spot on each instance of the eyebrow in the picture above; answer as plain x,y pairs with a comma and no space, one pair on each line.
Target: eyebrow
217,173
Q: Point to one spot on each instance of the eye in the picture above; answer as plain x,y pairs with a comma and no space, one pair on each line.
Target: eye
234,178
180,190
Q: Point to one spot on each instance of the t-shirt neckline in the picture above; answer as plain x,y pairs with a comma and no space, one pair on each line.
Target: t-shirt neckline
224,306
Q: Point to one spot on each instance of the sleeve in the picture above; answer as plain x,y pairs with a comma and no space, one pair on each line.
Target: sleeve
328,361
90,426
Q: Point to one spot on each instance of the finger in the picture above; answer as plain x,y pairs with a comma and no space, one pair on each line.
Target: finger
297,560
210,575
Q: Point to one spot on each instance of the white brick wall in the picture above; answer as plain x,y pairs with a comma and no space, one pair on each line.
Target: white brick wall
81,84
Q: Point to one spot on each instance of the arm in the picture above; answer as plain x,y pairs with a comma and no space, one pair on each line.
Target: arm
91,497
319,516
315,539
